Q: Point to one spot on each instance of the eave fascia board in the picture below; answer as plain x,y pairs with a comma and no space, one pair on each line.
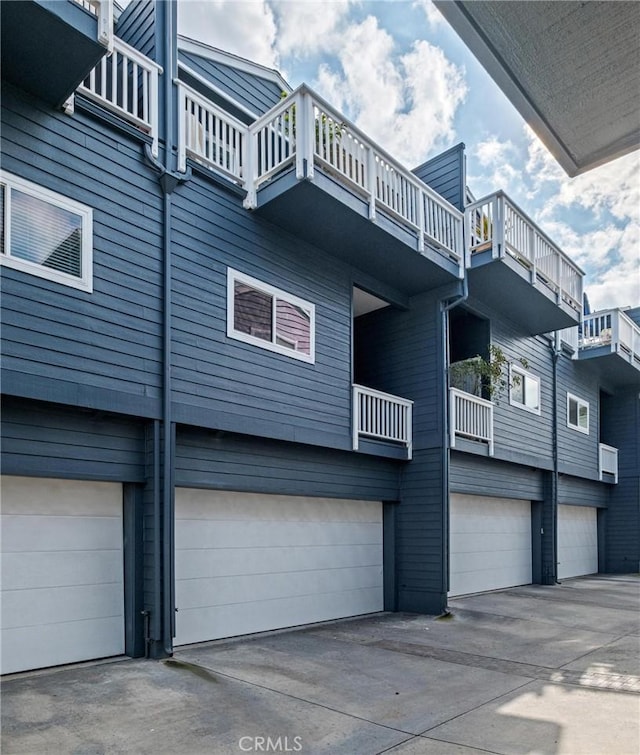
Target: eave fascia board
464,26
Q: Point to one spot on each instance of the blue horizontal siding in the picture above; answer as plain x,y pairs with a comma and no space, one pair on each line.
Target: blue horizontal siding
580,492
108,343
225,461
136,26
475,475
235,385
446,174
45,440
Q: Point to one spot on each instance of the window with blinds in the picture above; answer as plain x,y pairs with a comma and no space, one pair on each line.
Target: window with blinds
45,233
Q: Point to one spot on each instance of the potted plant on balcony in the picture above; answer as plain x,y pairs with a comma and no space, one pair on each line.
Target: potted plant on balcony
486,378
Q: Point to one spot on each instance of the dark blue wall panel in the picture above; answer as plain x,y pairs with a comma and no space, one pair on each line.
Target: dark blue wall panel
401,352
446,174
482,476
579,492
524,437
225,461
224,383
136,26
99,349
46,440
621,429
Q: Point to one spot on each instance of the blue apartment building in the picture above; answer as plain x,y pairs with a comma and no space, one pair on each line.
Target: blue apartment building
242,359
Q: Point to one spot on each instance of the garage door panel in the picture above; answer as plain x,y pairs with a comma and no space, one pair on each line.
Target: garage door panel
59,604
218,534
248,563
67,642
193,564
262,616
55,497
22,571
577,540
251,507
493,579
194,593
490,543
505,559
59,533
62,564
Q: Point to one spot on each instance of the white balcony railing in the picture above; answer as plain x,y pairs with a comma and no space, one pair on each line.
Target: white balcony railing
608,461
209,135
126,82
496,223
103,10
470,417
305,132
571,338
611,327
383,417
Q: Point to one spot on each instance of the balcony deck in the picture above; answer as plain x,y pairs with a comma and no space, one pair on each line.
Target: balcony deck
49,46
517,269
611,340
309,170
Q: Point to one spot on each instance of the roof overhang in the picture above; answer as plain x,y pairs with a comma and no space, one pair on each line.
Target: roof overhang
571,68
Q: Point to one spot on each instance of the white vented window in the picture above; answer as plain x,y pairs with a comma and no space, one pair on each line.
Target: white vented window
44,233
265,316
577,413
524,390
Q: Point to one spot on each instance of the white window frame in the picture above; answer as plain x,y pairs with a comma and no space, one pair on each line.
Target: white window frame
84,283
580,402
524,375
234,276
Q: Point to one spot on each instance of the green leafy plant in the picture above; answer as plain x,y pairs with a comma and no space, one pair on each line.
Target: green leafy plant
489,377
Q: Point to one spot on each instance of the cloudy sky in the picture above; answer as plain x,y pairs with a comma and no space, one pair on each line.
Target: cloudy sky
399,71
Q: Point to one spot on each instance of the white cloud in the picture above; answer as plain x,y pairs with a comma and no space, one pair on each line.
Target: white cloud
609,198
404,102
594,218
306,26
499,160
244,27
434,17
619,285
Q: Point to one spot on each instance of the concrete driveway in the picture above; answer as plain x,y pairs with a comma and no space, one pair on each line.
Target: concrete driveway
526,670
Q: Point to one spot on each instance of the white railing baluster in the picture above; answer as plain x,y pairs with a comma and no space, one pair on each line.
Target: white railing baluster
470,417
612,328
103,9
382,416
210,135
115,84
607,461
321,136
496,223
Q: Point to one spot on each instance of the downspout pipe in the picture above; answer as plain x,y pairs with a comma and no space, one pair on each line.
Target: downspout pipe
556,351
168,179
446,307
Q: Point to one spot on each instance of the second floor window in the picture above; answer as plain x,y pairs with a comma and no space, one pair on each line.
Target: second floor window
524,389
265,316
577,413
44,233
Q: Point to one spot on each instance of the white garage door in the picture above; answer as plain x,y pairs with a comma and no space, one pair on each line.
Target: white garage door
490,543
577,541
62,572
250,563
